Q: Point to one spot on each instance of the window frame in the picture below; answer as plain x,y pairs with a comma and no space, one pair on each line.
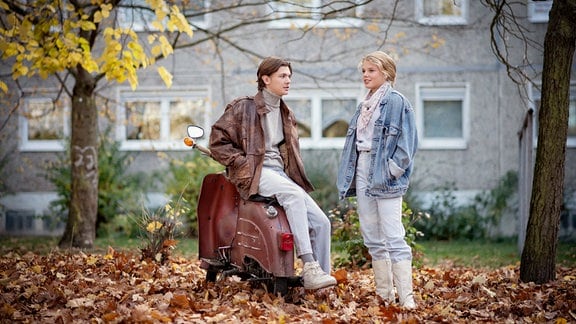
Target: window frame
441,20
316,95
165,97
443,91
53,145
282,22
536,96
538,11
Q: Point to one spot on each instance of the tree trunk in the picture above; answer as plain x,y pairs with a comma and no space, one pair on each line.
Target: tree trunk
539,253
80,229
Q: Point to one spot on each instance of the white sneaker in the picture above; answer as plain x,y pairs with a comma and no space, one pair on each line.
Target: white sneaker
315,278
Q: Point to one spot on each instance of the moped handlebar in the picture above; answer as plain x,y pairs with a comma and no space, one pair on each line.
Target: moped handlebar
188,141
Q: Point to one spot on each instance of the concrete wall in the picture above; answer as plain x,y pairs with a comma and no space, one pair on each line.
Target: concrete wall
325,57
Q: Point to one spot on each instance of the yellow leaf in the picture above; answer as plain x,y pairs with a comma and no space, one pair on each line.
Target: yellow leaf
91,260
109,254
158,25
156,50
106,7
153,226
89,65
165,45
3,87
165,75
180,21
98,17
75,58
87,25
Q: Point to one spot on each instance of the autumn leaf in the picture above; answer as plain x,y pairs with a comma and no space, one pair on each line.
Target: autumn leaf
117,287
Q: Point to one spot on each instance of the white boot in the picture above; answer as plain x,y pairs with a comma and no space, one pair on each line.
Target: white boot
403,281
383,279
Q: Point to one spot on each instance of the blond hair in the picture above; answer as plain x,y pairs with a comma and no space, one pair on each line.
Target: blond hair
384,62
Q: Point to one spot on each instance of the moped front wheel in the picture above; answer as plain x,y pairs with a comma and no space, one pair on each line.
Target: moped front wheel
211,275
279,285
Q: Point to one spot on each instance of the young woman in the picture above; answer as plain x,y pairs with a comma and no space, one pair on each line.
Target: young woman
375,166
256,138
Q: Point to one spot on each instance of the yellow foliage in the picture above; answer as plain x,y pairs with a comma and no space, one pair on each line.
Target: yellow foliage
165,75
153,226
98,17
49,45
166,46
87,25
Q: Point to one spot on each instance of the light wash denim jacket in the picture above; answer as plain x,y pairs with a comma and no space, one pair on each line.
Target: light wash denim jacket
394,144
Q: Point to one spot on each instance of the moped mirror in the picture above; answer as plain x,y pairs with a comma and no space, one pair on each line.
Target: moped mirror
195,131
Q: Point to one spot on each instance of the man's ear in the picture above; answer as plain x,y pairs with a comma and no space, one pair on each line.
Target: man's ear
266,79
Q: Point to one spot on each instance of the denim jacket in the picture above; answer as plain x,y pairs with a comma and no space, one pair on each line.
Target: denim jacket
394,145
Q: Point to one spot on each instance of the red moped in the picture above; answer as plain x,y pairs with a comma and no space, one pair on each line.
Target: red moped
247,238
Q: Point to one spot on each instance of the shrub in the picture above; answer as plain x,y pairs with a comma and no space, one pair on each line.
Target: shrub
185,182
325,193
347,237
159,231
449,220
119,192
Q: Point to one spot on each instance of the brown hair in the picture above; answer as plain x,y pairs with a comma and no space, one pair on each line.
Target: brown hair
384,62
268,66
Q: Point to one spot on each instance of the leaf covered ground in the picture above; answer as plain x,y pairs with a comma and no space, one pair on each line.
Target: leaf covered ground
117,287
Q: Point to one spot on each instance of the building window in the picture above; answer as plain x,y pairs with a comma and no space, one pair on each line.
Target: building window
442,115
315,13
442,12
322,116
538,10
43,123
571,141
157,120
137,15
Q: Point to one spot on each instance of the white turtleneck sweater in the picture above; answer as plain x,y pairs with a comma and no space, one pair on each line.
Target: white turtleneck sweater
273,130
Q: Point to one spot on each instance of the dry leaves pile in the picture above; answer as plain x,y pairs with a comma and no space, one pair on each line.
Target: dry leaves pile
117,287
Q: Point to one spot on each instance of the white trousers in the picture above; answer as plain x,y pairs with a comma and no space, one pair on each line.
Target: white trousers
310,226
380,219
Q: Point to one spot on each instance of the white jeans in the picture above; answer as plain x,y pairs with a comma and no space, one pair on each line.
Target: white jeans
310,226
380,219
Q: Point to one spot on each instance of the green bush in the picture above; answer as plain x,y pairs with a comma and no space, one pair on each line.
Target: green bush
159,230
119,193
322,177
185,181
347,238
449,220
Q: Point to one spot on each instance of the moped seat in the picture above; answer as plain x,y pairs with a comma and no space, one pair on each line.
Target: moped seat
263,199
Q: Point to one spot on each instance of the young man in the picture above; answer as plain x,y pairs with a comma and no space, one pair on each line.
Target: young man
256,138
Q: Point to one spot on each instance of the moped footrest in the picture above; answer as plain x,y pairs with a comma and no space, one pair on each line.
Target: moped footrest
214,263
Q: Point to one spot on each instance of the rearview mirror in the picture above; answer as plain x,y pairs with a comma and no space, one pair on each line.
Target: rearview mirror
195,131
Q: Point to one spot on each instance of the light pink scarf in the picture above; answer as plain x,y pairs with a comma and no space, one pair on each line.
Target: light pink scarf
370,104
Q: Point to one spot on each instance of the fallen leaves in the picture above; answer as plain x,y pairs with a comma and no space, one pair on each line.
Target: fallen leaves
117,287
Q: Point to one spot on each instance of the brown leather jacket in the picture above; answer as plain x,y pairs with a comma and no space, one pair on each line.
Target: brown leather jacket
237,142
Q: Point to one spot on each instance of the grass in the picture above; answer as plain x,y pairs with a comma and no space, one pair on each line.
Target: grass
479,254
436,253
43,245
